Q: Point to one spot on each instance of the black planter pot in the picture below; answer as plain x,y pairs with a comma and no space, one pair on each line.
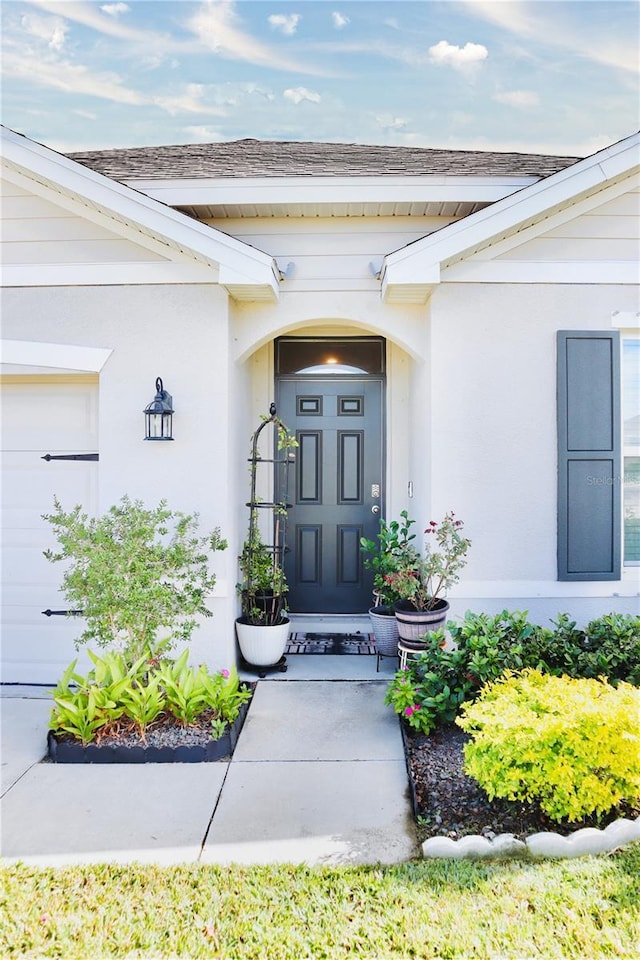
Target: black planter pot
72,751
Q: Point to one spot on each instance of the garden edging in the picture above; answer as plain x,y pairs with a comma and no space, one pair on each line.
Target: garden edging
581,843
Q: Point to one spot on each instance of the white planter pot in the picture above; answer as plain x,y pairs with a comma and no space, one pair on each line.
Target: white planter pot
262,646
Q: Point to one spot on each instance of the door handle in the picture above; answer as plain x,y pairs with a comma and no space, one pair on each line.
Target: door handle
375,509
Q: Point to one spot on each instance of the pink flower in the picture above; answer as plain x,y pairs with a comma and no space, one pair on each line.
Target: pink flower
224,673
409,711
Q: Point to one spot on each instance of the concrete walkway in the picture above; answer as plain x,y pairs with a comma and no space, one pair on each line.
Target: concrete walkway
318,777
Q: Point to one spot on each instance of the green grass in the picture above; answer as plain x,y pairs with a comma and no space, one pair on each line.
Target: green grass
584,908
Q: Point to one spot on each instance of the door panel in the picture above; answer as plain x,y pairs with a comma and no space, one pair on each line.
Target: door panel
337,480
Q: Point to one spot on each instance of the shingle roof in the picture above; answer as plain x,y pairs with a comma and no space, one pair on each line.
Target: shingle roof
278,158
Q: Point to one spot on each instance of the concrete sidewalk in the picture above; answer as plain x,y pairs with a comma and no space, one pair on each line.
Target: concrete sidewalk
318,776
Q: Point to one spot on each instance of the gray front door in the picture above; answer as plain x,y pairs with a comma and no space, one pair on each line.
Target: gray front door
336,489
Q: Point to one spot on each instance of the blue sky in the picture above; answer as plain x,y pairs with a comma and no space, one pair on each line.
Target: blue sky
547,76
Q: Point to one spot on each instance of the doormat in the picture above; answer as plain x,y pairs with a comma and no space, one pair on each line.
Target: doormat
333,643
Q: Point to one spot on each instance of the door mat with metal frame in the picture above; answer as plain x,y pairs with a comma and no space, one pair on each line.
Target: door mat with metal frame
333,643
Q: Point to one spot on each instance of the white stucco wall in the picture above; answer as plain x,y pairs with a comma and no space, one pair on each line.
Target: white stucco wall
493,435
179,333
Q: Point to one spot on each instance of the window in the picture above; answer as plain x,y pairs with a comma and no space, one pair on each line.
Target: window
631,448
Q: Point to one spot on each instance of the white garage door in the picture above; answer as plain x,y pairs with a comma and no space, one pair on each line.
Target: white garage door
54,415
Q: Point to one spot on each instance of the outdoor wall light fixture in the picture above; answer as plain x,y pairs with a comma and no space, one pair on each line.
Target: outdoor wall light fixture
158,415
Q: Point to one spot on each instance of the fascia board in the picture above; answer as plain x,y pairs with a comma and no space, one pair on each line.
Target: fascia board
509,214
330,190
39,165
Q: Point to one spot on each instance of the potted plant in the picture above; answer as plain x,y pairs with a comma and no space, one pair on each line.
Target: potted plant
263,627
390,552
421,581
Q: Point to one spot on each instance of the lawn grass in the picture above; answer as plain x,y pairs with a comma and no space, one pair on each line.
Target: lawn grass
584,908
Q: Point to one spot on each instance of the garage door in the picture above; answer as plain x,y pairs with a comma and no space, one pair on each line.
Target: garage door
55,415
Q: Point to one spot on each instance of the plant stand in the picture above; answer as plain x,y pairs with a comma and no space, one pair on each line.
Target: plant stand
263,630
263,669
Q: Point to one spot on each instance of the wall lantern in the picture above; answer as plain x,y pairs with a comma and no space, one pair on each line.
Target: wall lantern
158,415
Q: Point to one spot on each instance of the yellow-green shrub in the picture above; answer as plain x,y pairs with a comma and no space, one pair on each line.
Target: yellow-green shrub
571,745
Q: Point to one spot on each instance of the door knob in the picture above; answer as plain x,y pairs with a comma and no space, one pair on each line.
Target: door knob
375,509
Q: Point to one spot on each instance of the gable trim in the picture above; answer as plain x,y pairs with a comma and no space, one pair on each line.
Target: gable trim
415,263
127,212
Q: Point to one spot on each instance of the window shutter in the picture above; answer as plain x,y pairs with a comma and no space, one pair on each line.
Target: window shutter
589,455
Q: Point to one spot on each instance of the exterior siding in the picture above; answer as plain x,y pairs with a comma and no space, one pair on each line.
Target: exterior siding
607,232
325,250
35,231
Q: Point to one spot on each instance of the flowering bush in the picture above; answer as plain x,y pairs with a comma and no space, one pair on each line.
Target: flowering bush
432,687
423,580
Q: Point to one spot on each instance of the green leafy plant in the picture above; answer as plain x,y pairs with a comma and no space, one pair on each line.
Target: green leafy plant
430,690
392,550
225,693
143,703
185,693
423,580
115,692
140,576
572,745
493,644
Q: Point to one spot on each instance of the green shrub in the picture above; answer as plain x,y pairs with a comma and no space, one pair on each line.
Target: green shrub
612,648
487,646
494,644
432,687
139,576
573,745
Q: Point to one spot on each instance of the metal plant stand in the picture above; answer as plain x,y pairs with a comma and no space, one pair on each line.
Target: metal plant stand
270,603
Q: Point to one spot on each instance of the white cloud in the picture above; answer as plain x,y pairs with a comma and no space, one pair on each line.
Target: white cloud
72,78
115,9
460,58
339,20
288,24
217,27
392,22
86,114
52,30
298,94
388,122
518,98
204,134
554,24
191,101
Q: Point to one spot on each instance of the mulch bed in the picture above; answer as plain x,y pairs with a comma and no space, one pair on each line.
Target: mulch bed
448,803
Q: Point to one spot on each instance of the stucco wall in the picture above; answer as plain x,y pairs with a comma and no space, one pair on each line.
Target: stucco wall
179,333
493,429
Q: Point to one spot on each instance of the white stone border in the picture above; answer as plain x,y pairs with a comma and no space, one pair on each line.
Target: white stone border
581,843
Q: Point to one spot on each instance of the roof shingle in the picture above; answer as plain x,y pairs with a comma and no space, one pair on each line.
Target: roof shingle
279,158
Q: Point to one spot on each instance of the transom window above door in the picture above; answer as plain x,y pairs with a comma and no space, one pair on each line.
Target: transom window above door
329,356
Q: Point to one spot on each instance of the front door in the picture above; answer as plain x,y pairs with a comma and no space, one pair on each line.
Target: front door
336,488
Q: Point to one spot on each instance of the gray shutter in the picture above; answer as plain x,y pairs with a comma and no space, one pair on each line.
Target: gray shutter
589,455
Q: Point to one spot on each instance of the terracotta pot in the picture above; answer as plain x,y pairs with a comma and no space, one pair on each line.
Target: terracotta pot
414,624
